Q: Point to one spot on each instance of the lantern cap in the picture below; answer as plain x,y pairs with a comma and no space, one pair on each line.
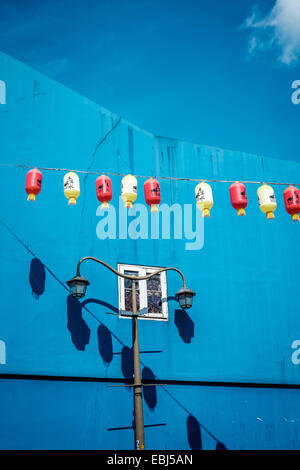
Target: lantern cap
205,213
185,290
295,217
78,277
241,212
270,215
154,208
72,201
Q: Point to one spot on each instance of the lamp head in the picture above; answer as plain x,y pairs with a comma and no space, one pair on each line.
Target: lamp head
78,285
185,297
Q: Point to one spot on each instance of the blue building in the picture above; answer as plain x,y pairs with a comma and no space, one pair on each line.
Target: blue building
224,374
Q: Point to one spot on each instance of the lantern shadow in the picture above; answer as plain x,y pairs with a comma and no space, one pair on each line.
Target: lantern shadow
127,363
194,433
104,335
80,332
81,339
220,446
185,325
105,344
37,277
149,391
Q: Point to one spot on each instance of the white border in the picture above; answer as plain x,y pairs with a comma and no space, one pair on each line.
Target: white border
142,271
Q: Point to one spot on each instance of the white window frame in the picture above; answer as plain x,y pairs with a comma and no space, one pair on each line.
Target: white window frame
143,313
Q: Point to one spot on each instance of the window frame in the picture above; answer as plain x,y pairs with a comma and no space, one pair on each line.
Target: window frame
143,313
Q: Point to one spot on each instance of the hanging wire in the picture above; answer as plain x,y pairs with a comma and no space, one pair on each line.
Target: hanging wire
210,180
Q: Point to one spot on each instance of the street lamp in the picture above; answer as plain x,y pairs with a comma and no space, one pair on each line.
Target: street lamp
185,297
78,286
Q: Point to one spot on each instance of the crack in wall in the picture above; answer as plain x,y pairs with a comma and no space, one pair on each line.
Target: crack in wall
92,162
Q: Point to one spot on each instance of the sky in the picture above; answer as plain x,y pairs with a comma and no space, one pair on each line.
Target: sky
216,72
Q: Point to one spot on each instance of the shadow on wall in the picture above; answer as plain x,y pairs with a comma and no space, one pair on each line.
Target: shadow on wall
105,343
149,391
104,335
80,332
100,302
37,277
220,446
194,433
185,325
127,362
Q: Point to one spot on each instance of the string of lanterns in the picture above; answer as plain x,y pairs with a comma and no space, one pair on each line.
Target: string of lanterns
203,194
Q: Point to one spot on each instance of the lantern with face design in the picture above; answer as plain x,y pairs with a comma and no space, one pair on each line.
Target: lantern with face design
152,194
291,197
104,190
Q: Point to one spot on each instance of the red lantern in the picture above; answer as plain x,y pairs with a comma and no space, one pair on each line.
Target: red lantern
33,183
104,190
238,197
292,202
152,193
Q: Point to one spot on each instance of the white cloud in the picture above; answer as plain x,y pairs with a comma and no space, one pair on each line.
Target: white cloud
279,30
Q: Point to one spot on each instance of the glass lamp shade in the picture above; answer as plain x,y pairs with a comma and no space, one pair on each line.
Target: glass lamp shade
185,297
78,285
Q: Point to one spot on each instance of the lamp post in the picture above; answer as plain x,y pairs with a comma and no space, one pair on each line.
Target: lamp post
78,286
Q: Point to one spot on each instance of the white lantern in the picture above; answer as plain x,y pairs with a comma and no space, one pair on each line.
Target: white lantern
71,187
129,190
204,198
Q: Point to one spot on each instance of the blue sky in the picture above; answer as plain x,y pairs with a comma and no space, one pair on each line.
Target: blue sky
212,72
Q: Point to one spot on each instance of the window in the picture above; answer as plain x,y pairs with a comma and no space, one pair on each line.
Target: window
151,294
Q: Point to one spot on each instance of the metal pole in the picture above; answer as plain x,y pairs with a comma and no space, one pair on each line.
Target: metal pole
138,399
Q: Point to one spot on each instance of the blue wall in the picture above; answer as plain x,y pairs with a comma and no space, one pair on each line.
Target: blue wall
245,316
42,414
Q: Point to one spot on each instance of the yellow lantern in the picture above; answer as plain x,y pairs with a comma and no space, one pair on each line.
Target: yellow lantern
267,200
71,187
204,198
129,190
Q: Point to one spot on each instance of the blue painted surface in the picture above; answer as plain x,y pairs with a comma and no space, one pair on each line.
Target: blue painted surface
74,415
245,316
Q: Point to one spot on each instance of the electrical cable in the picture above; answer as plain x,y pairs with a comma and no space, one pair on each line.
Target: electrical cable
210,180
